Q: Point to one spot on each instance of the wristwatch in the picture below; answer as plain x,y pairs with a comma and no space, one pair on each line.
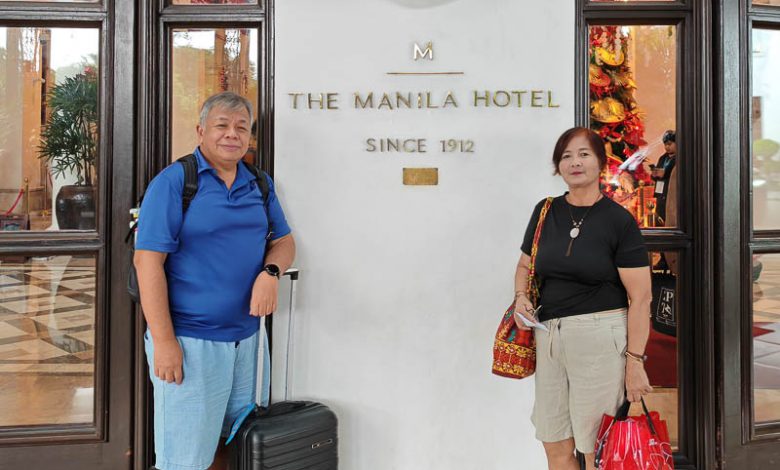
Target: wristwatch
273,270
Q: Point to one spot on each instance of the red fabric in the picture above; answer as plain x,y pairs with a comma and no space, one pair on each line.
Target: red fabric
514,350
661,351
631,445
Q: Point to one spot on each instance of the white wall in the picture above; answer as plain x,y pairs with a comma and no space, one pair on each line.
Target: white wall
402,286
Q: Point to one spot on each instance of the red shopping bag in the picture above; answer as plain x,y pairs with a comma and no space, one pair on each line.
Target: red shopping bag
633,442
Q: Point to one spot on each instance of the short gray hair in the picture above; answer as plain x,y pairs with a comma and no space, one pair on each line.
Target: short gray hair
228,100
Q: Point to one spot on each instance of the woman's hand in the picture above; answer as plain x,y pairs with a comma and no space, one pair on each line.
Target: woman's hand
637,383
524,307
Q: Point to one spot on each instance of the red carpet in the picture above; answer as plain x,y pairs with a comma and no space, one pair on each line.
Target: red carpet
661,354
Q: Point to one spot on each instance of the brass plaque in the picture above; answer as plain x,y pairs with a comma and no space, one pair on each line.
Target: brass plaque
421,176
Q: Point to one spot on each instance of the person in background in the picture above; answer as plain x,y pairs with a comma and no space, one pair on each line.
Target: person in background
206,277
595,296
662,175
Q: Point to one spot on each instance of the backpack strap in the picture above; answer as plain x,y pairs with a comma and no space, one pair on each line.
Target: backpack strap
262,183
190,164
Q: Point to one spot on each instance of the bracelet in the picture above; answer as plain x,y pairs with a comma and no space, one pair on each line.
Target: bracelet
637,357
519,293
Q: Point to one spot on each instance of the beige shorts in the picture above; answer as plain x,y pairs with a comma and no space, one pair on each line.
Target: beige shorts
580,375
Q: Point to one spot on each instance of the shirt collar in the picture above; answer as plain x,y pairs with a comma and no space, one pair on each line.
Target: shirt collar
203,164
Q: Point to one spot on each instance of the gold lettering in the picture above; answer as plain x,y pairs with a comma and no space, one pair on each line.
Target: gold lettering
535,96
419,54
371,145
392,144
411,149
385,102
550,101
485,98
399,98
506,96
428,100
449,100
295,99
519,94
362,104
331,100
419,101
315,100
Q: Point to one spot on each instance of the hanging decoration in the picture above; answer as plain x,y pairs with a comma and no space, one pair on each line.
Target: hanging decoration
615,114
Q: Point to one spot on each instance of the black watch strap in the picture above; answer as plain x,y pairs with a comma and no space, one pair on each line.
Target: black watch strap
273,270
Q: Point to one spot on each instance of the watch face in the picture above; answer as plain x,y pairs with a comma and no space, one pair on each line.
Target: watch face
272,269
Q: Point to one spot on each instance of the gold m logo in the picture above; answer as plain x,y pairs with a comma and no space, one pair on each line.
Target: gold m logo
420,54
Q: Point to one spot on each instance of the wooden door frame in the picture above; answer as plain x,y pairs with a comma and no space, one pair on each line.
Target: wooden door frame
697,398
155,17
741,446
107,443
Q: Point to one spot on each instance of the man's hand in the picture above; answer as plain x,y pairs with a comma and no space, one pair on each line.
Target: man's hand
264,294
168,360
637,383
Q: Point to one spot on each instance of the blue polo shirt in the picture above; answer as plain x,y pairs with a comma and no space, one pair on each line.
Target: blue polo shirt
214,253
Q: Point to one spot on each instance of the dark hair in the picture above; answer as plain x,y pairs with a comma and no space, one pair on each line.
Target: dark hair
595,141
669,136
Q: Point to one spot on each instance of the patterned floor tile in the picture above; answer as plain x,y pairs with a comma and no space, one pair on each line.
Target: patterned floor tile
79,284
20,290
36,305
9,331
30,350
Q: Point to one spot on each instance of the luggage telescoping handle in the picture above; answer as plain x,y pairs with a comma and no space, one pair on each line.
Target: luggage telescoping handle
293,273
264,356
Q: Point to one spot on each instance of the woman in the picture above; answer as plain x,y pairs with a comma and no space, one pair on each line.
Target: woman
594,273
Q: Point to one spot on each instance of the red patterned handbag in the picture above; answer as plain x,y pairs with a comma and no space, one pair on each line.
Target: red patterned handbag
514,350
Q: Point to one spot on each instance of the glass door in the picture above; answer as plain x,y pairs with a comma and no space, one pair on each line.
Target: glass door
194,49
751,248
65,397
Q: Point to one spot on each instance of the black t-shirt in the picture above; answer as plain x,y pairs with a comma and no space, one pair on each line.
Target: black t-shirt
587,281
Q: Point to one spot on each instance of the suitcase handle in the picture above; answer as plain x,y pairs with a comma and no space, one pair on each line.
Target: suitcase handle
281,408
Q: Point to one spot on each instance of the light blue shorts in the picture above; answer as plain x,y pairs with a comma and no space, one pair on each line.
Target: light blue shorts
219,384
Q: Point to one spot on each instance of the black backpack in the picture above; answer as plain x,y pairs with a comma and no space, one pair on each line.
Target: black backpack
190,164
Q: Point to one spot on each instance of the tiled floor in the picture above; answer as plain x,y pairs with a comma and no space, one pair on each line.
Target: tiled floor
47,336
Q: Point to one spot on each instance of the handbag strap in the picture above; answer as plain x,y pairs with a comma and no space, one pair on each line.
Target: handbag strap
535,246
621,415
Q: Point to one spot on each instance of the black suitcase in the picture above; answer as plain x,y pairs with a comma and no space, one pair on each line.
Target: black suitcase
289,435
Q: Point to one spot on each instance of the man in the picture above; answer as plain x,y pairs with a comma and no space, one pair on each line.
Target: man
662,175
206,278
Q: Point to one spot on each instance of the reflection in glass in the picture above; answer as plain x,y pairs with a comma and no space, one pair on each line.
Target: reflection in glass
56,1
211,2
766,337
661,350
47,337
48,128
766,2
766,129
205,62
632,80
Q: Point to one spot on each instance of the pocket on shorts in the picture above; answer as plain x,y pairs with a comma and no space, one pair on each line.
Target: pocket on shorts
619,339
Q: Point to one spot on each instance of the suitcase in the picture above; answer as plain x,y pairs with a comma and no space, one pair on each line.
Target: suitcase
289,435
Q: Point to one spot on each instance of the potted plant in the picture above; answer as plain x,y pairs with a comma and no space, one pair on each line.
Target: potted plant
69,146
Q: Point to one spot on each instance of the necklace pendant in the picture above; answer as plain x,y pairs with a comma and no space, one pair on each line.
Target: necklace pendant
575,232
